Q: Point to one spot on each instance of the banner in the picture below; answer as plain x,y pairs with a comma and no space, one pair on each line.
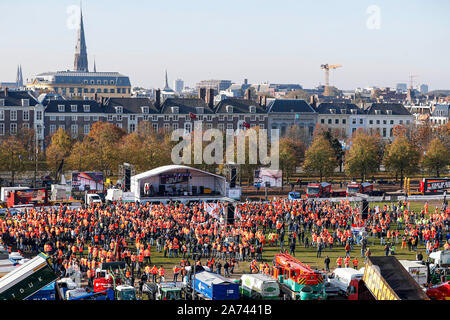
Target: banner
212,209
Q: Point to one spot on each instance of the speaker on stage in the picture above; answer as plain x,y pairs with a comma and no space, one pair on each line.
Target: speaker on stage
364,209
229,216
162,189
127,179
233,178
202,189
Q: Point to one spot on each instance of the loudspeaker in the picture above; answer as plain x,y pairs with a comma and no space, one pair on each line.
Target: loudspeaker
364,209
127,179
229,216
162,189
194,190
233,178
202,189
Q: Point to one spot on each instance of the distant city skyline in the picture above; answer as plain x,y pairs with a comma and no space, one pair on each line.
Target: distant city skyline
282,42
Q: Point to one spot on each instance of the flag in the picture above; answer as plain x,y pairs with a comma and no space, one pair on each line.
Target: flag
246,125
192,116
211,209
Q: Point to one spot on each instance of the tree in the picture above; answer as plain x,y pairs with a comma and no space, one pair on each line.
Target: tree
320,158
12,154
60,148
364,156
336,145
292,153
437,157
401,157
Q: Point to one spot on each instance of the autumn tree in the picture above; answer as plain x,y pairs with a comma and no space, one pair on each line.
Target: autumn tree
364,156
437,157
292,153
12,155
401,157
320,158
59,149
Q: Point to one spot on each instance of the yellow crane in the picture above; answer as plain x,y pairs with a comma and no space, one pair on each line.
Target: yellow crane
327,68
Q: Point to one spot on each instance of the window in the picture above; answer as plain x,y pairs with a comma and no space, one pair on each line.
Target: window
13,115
110,117
221,117
261,117
166,117
99,81
353,121
119,125
86,128
187,126
145,109
336,121
220,126
392,122
39,115
119,109
62,126
208,125
166,126
155,118
146,118
200,117
384,132
230,117
52,118
86,108
241,117
26,115
252,109
74,118
175,118
2,102
401,122
261,126
361,121
2,129
344,121
26,126
322,121
378,121
329,121
25,102
132,127
74,108
253,117
52,129
370,121
407,121
95,118
61,118
13,128
229,126
155,126
111,82
175,126
384,121
119,118
2,114
74,130
87,118
132,117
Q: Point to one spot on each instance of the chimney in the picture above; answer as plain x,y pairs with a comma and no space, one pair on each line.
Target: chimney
265,101
210,98
248,94
245,81
202,93
6,92
260,100
158,98
312,102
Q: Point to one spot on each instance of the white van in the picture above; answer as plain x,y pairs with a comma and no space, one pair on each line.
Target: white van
417,270
259,286
342,277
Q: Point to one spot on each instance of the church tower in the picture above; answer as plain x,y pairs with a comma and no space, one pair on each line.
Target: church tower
81,61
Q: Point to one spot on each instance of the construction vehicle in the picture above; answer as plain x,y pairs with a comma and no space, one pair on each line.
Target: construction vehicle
440,263
439,292
110,276
92,198
342,277
353,188
298,281
434,185
318,190
387,279
259,287
27,279
417,270
55,290
169,291
327,68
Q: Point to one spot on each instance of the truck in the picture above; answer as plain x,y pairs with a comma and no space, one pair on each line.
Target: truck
113,195
434,185
342,277
294,195
417,270
27,197
440,264
353,188
5,190
318,190
55,290
439,292
211,286
387,279
60,192
298,281
110,276
259,287
92,198
169,291
27,279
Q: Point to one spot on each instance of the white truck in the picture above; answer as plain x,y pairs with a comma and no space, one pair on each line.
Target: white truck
4,191
92,198
417,270
341,278
259,287
60,192
119,195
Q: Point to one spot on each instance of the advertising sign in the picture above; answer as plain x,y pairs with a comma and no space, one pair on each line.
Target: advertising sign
84,181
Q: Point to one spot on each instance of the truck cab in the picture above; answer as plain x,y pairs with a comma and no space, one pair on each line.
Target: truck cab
342,277
318,190
354,188
357,290
92,198
294,195
125,292
168,291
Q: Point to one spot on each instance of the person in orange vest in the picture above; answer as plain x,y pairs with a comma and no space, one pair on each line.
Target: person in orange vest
90,275
147,256
154,272
176,272
161,274
339,262
347,262
147,271
355,263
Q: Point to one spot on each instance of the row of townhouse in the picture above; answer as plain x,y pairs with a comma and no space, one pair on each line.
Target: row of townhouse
20,109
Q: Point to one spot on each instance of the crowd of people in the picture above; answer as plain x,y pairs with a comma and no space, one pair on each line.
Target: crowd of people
131,232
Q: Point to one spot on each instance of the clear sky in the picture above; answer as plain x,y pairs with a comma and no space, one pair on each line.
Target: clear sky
282,41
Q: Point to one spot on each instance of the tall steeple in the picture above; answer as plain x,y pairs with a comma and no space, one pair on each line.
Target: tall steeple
166,86
81,60
95,68
19,78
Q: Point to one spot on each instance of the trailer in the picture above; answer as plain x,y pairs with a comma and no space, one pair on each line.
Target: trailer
27,197
387,279
353,188
417,270
259,287
27,279
434,185
211,286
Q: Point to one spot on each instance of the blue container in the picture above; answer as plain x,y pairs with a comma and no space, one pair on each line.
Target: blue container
215,287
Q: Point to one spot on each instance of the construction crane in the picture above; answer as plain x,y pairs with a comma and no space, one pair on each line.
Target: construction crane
327,68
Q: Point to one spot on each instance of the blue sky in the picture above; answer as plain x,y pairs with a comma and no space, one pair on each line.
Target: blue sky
282,41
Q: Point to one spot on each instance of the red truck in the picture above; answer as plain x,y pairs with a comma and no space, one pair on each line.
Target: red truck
31,197
318,190
355,187
434,185
439,292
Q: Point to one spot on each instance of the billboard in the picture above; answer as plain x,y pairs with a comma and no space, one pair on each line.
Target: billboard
273,177
85,181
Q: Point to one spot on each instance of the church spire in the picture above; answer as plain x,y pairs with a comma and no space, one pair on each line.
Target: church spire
166,86
19,78
95,68
81,61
